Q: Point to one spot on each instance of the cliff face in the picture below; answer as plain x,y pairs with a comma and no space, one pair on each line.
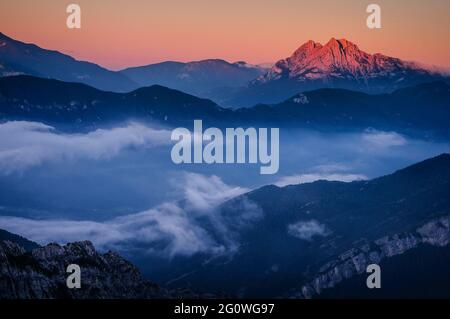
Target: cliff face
337,59
355,261
41,274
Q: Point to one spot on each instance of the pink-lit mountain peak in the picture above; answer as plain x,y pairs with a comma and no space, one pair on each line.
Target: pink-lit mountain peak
333,45
335,55
338,58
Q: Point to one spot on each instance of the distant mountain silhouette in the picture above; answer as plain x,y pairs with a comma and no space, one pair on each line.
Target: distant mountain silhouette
22,58
206,78
337,64
212,78
423,108
78,105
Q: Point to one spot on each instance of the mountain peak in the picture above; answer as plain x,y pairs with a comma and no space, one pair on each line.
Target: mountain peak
306,48
340,43
311,44
342,57
338,59
332,42
339,63
105,275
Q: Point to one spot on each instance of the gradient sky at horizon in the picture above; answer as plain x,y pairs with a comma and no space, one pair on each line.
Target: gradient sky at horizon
123,33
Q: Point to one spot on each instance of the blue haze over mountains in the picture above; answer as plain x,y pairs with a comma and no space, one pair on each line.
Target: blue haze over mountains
87,150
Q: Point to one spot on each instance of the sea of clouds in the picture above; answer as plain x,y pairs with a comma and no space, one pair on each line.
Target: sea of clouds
191,221
186,226
27,144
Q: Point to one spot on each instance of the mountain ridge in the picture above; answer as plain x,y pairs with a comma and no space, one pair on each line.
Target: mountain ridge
337,64
52,101
40,273
336,217
204,78
355,223
422,108
28,245
33,60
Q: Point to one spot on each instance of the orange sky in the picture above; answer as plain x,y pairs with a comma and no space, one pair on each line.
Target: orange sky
121,33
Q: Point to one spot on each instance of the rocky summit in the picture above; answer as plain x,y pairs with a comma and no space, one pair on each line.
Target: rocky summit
41,274
339,63
337,59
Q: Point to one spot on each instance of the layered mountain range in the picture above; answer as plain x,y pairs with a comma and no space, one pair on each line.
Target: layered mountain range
423,108
207,78
337,64
321,234
17,57
309,240
203,78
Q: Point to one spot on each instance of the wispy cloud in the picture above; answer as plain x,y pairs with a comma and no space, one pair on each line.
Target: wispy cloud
368,142
28,144
383,139
192,224
203,194
306,230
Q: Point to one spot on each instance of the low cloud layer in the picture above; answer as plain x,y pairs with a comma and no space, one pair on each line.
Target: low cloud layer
381,139
363,148
306,230
203,194
186,226
27,144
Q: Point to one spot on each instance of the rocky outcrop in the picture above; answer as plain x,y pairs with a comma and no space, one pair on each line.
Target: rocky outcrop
356,260
28,245
41,273
338,63
338,59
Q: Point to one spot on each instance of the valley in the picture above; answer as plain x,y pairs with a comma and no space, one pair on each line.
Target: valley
94,160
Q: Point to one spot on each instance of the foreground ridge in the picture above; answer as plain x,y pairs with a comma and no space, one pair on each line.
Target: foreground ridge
41,274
